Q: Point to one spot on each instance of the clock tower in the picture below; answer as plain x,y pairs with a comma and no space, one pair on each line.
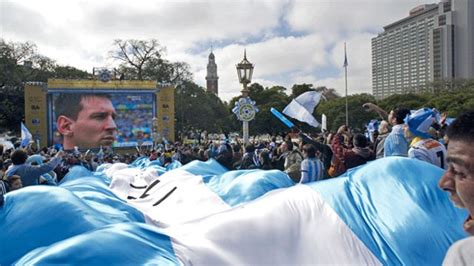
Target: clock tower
211,76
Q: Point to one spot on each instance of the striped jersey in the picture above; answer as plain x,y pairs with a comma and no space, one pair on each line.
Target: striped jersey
312,169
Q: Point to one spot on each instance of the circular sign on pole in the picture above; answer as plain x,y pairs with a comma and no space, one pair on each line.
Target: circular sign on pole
247,112
245,109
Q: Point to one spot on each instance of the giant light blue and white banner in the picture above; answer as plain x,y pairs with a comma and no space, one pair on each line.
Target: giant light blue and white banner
389,211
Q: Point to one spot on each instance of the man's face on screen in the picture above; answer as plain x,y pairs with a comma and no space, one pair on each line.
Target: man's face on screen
95,125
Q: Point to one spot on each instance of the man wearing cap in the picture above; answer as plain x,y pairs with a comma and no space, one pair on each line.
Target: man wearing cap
458,180
422,146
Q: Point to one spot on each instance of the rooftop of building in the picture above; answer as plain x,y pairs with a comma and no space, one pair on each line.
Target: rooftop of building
414,13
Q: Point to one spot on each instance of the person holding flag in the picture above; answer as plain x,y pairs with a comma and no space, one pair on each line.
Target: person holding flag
302,108
30,174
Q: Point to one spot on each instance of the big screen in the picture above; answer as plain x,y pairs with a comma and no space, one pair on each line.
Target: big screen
134,118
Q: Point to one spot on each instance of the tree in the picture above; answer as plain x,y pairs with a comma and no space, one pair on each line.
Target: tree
12,56
335,111
410,100
68,72
11,82
453,103
19,63
197,109
22,51
328,93
134,54
144,60
299,89
166,72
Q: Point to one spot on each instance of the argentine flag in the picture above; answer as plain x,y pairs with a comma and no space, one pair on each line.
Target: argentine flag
302,107
25,136
389,211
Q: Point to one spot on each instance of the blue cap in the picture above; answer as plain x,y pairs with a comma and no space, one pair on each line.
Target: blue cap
420,121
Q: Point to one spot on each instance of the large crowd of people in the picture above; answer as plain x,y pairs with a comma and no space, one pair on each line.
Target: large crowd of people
419,134
304,157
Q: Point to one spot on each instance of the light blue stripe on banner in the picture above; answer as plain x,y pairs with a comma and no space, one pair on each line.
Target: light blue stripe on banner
396,208
39,216
118,244
236,187
207,168
93,189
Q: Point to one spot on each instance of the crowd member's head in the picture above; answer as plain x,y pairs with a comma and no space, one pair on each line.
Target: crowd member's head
225,155
309,151
458,180
342,129
397,116
15,182
264,157
236,148
383,128
19,157
283,147
249,148
85,120
359,141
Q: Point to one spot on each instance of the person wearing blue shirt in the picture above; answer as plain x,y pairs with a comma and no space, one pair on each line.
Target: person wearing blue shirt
395,143
312,169
30,174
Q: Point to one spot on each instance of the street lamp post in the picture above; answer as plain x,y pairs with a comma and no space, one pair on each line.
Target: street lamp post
246,111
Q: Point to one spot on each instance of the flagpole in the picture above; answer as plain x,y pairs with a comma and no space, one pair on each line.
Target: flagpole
345,75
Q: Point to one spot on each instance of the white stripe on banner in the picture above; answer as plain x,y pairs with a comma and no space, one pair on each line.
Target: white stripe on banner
176,196
257,234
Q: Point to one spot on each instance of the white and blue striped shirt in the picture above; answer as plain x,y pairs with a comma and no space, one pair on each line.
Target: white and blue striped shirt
312,169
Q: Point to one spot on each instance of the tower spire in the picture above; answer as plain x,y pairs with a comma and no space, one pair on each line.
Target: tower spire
211,77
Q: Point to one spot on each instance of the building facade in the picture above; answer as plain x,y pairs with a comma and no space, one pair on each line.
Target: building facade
211,77
434,43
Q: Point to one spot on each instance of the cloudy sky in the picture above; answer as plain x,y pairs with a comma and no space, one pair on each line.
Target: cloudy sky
300,41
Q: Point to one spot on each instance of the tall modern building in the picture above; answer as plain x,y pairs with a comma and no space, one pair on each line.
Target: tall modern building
211,77
435,42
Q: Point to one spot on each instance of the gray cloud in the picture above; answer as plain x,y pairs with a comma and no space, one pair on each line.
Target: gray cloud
290,41
23,22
